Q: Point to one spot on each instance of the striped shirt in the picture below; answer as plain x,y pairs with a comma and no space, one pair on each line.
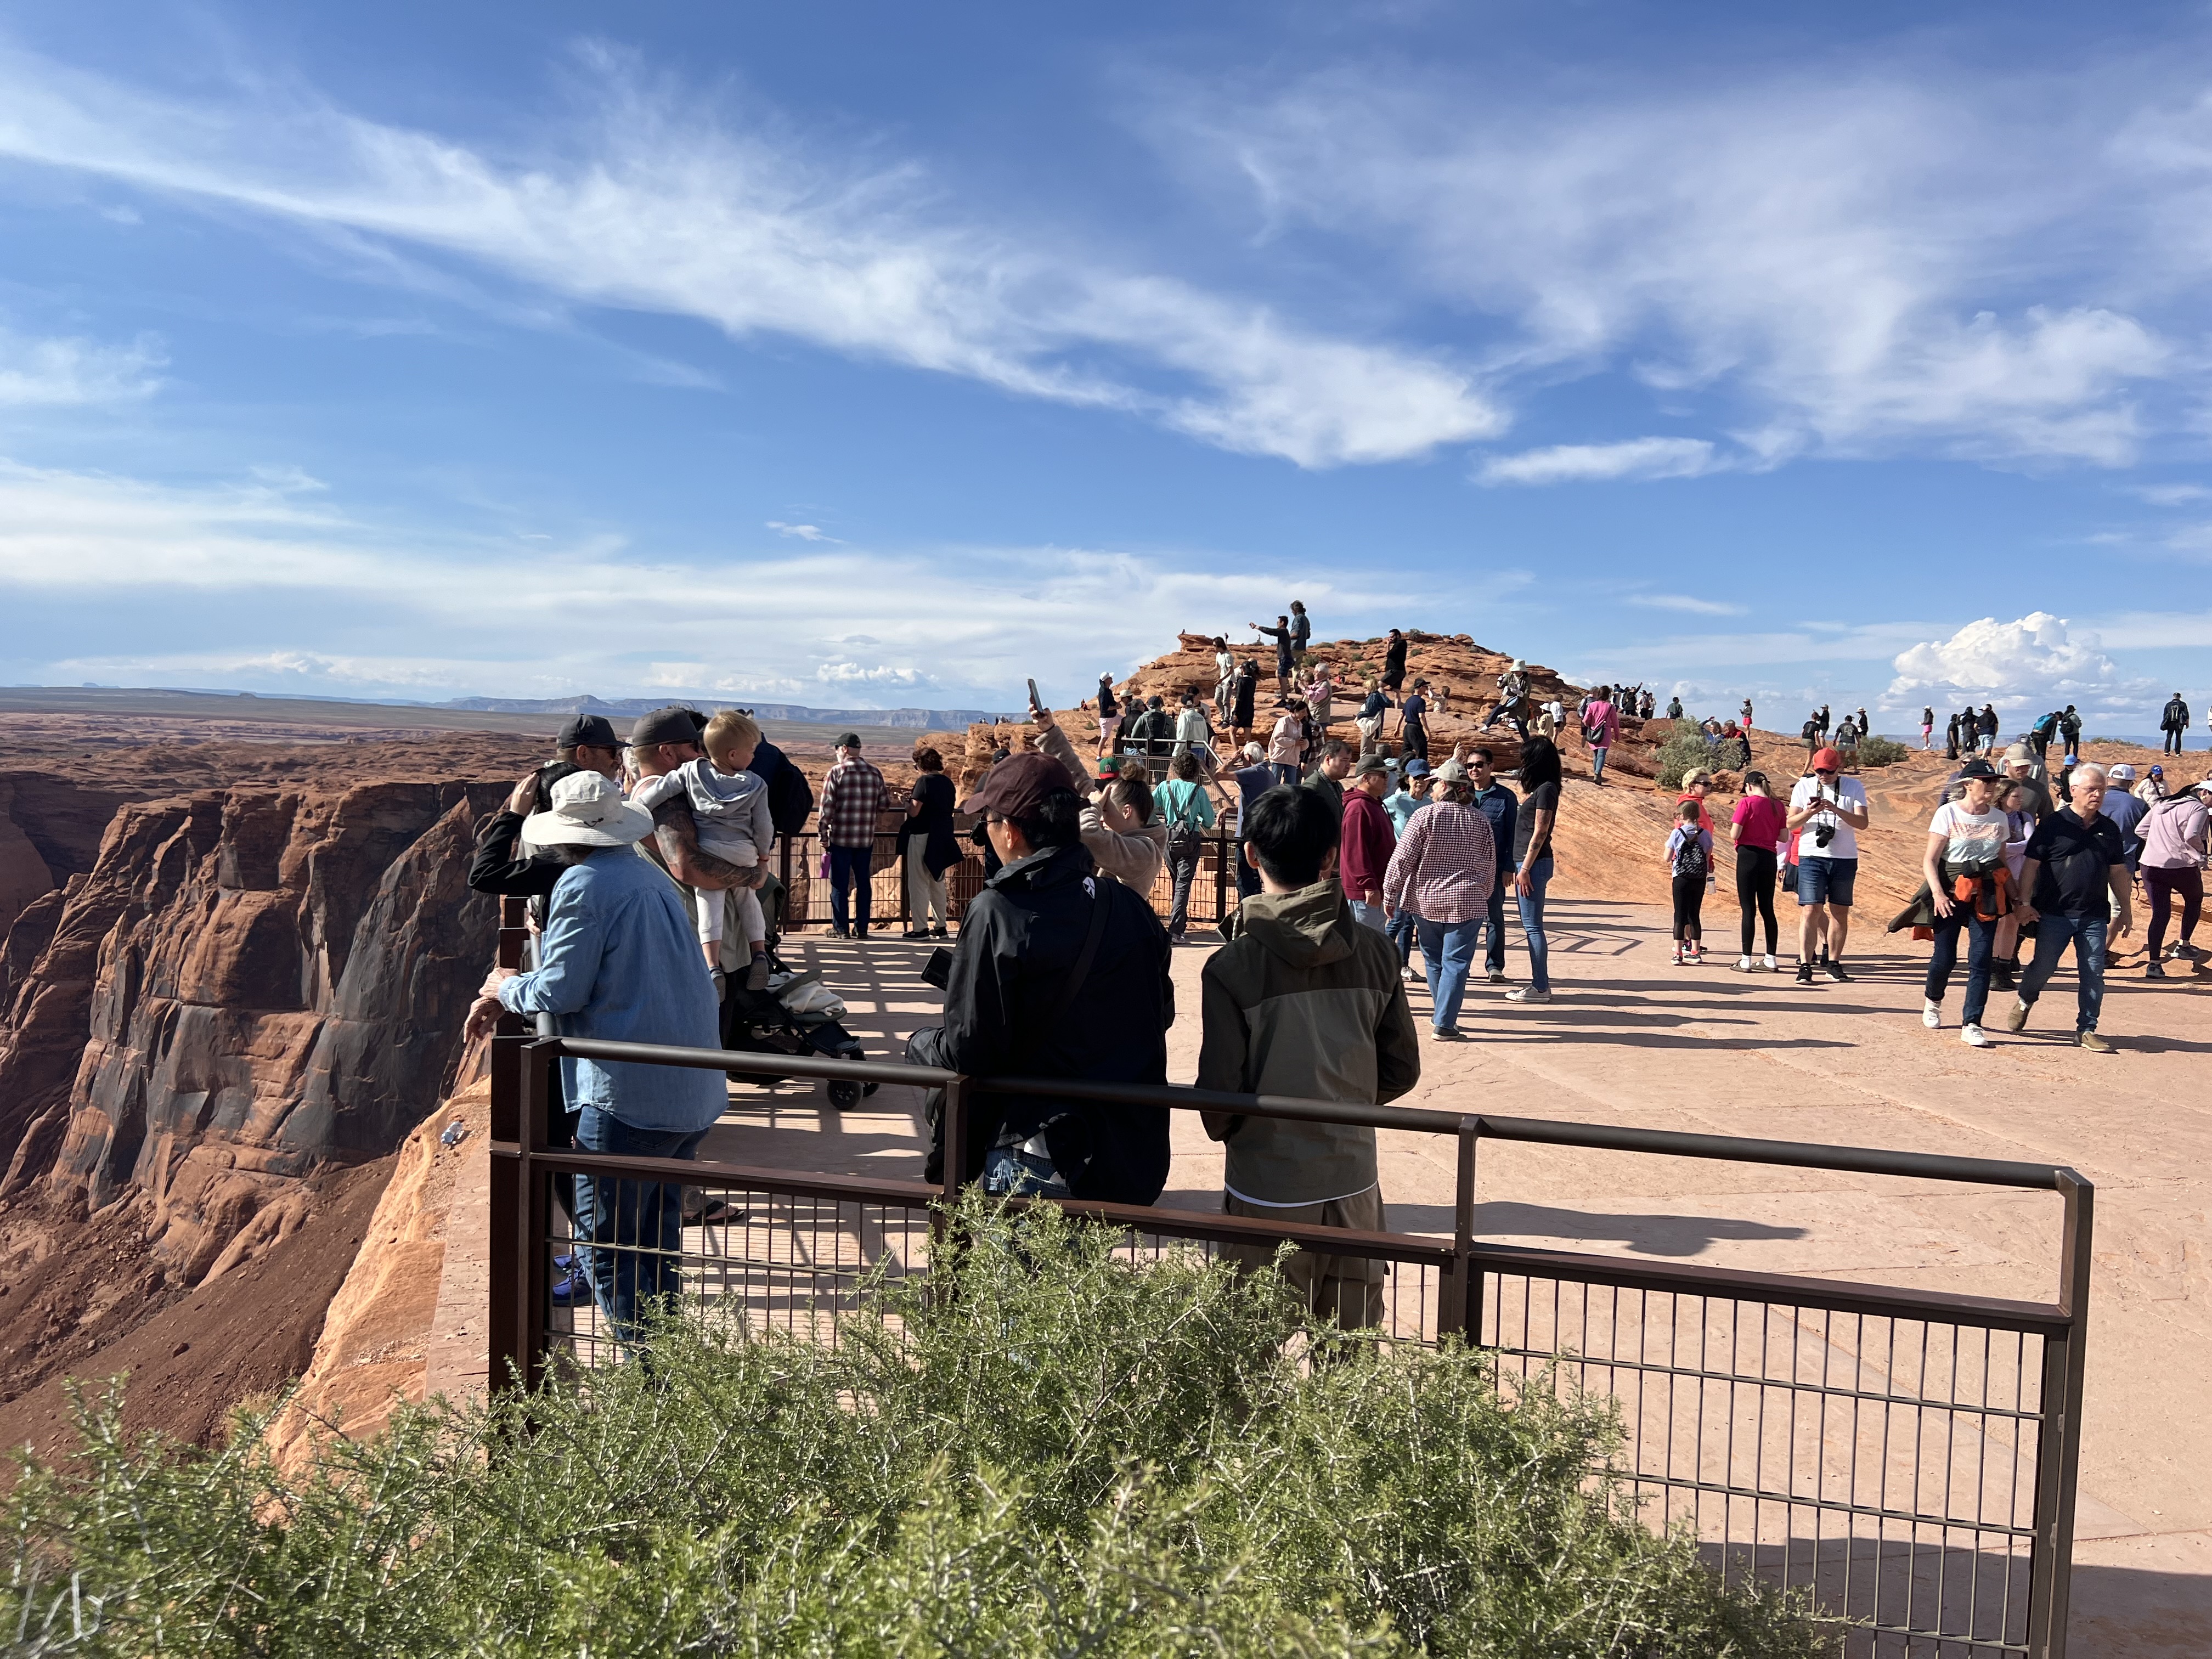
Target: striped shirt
1446,865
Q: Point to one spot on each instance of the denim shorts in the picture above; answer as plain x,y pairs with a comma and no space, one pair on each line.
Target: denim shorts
1826,881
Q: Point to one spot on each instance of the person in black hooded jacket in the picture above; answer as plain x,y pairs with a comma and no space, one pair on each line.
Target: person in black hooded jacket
1009,1010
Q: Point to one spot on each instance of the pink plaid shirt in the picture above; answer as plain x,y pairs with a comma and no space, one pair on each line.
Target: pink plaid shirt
1445,866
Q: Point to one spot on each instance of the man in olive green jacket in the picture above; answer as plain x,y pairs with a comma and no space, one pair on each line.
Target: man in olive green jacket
1304,1001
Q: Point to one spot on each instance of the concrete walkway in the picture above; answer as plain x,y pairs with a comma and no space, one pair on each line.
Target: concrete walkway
1632,1040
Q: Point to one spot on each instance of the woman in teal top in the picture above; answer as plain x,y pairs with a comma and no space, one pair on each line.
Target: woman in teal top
1188,810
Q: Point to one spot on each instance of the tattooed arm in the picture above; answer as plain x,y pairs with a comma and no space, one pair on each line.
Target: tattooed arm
676,834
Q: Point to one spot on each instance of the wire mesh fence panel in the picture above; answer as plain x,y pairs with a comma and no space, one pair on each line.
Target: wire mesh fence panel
1886,1466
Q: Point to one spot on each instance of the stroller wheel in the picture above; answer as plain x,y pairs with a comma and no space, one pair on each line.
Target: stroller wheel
844,1094
869,1088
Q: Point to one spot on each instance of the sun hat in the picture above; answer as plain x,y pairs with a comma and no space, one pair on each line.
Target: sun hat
2121,773
586,810
1017,784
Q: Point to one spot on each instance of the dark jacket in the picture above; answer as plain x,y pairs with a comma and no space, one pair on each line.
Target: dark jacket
790,797
1018,943
1501,807
933,824
1248,685
498,865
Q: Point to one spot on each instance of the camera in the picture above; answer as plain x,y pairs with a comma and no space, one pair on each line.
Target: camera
1823,834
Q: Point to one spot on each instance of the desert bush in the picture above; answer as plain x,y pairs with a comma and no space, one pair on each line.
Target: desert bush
1683,750
1881,751
1047,1452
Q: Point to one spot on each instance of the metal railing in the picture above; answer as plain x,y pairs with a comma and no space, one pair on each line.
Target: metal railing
1908,1456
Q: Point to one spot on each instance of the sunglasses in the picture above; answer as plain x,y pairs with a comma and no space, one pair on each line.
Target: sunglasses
1824,771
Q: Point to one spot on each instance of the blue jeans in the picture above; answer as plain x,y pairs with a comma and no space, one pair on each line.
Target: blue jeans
1248,878
1286,775
1531,905
1493,953
1399,930
1981,939
1370,915
641,1223
2051,935
849,866
1010,1172
1448,951
1597,765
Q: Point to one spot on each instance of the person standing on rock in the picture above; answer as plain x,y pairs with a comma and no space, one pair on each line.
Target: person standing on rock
1413,724
1601,730
1927,728
854,798
1743,715
618,962
1286,744
2069,729
1247,695
1301,631
2077,881
1674,708
1826,811
1302,999
1110,715
1286,652
1368,721
2173,722
1224,677
1393,662
1442,872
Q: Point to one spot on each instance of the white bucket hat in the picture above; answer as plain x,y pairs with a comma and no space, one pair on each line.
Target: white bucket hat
587,811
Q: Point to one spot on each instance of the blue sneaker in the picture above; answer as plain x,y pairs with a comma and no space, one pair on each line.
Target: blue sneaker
573,1291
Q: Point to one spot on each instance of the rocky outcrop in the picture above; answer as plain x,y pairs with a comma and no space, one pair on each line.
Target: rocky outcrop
247,983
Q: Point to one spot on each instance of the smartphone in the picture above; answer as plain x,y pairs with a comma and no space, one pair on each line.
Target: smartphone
937,969
1036,703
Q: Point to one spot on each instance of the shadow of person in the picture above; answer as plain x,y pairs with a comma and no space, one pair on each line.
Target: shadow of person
1671,1236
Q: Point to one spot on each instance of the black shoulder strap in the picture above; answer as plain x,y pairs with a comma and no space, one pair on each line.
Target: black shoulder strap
1099,902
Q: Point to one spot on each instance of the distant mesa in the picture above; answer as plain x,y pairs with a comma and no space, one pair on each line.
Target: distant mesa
920,719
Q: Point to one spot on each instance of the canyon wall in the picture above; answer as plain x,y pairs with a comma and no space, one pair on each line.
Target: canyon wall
247,983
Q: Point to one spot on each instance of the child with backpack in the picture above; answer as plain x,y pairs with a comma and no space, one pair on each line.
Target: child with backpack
1689,857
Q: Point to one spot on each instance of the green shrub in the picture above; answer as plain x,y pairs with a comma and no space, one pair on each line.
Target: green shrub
1683,750
1881,751
1047,1452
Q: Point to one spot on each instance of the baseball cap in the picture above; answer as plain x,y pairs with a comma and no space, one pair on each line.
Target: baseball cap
2158,771
1452,772
1371,765
2073,760
1977,769
1416,768
670,724
847,740
1017,784
1829,759
2122,773
1106,766
586,731
2018,752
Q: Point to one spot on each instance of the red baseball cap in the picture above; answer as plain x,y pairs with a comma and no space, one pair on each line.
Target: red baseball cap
1827,760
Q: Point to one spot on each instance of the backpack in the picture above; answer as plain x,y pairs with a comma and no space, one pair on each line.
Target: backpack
1690,856
2045,726
790,799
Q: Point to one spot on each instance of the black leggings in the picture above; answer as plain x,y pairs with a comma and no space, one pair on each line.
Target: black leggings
1754,889
2163,886
1689,899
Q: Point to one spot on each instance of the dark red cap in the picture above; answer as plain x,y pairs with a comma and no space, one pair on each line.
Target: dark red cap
1017,784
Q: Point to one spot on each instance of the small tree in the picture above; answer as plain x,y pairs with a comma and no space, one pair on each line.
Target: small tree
1881,751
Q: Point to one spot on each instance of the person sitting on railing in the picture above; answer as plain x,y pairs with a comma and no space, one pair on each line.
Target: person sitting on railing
618,962
1056,974
1117,827
1304,1001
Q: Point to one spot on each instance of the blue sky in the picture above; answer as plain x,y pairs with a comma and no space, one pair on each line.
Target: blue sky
860,354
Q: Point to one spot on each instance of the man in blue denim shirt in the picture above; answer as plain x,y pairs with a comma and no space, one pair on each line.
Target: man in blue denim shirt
618,962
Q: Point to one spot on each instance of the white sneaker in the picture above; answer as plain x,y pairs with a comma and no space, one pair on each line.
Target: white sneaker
1527,993
1769,965
1744,965
1407,974
1972,1037
1931,1014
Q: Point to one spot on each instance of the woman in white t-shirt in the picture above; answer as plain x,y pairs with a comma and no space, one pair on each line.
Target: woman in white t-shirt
1969,886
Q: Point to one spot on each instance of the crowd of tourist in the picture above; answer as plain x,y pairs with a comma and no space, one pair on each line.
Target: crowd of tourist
1349,852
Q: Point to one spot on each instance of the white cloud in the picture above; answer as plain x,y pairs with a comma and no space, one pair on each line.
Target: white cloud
805,532
486,614
1685,602
1638,457
2014,665
36,373
654,203
1861,258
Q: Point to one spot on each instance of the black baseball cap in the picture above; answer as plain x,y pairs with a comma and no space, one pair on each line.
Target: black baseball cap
1977,769
587,731
847,740
670,724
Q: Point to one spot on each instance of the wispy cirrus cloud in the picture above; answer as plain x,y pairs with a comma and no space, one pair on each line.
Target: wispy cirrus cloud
1685,602
651,199
1905,255
55,372
1638,457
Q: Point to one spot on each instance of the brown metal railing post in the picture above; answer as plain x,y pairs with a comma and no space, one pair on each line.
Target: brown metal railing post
1459,1288
1221,874
534,1219
2058,1432
956,1139
506,1197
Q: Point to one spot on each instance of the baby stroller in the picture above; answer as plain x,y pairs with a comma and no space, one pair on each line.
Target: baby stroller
796,1015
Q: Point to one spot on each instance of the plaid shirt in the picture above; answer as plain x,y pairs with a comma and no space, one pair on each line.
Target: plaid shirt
1446,865
852,794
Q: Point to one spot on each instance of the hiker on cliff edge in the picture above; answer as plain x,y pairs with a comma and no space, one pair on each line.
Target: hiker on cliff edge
1286,651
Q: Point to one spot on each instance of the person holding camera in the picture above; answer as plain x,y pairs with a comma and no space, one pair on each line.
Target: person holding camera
1057,973
586,743
1827,810
1117,824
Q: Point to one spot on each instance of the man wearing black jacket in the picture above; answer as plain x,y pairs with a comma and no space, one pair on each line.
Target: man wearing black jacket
586,743
1057,973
